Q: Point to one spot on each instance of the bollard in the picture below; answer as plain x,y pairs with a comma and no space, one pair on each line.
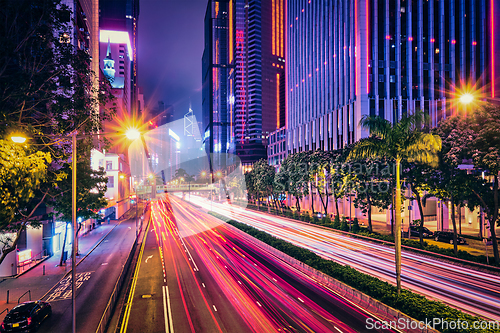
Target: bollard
43,269
8,296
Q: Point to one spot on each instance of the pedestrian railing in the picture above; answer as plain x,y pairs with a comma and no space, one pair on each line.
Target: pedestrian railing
28,292
31,262
6,310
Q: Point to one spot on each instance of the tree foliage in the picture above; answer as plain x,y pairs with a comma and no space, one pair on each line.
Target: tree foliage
47,91
21,174
401,141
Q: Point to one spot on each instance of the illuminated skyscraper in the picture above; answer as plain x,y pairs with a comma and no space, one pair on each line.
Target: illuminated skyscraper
346,59
259,75
123,15
216,114
243,75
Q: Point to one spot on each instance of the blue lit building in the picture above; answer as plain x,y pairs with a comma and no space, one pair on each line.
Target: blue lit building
215,73
346,59
244,83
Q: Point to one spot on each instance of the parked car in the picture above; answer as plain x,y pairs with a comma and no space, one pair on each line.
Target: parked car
447,237
415,232
26,317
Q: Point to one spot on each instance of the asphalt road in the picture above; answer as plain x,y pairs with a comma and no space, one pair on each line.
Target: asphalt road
204,277
470,290
96,278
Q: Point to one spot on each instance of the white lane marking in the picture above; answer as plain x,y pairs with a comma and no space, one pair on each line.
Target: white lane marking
300,299
165,309
259,304
214,307
189,253
149,257
203,285
169,325
337,329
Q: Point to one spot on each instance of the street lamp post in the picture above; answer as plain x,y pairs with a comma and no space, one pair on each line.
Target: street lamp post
75,229
131,134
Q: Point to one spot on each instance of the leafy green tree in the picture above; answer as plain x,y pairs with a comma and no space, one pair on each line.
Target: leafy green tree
371,181
250,185
21,175
91,186
293,177
264,179
418,177
340,178
47,91
477,139
486,156
180,173
401,141
319,176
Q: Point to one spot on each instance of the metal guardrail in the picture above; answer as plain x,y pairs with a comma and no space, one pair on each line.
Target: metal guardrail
31,262
28,292
7,309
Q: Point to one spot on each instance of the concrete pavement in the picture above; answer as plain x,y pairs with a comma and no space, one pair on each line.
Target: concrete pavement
36,282
104,248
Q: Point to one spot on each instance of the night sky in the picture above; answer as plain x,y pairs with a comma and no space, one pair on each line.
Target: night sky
171,43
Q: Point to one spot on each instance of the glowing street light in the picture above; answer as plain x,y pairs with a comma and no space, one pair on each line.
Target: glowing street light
203,174
18,138
218,174
133,134
466,98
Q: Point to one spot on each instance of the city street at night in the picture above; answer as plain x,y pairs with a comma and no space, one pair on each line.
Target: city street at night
249,166
217,282
473,291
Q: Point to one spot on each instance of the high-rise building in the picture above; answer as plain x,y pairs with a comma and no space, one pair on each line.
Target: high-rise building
216,114
123,16
346,59
259,75
116,63
244,76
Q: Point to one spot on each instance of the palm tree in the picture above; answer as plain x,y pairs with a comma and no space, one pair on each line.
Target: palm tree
401,141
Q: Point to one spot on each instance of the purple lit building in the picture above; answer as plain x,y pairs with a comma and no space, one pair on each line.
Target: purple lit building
346,59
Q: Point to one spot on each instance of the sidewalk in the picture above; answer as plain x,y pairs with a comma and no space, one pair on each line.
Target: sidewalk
36,282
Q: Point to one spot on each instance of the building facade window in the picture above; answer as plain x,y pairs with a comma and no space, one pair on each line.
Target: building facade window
111,181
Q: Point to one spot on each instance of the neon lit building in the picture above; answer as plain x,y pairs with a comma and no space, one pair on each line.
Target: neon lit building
123,15
243,76
259,75
216,114
346,59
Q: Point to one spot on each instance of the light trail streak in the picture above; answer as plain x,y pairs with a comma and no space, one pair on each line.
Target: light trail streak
264,300
473,291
